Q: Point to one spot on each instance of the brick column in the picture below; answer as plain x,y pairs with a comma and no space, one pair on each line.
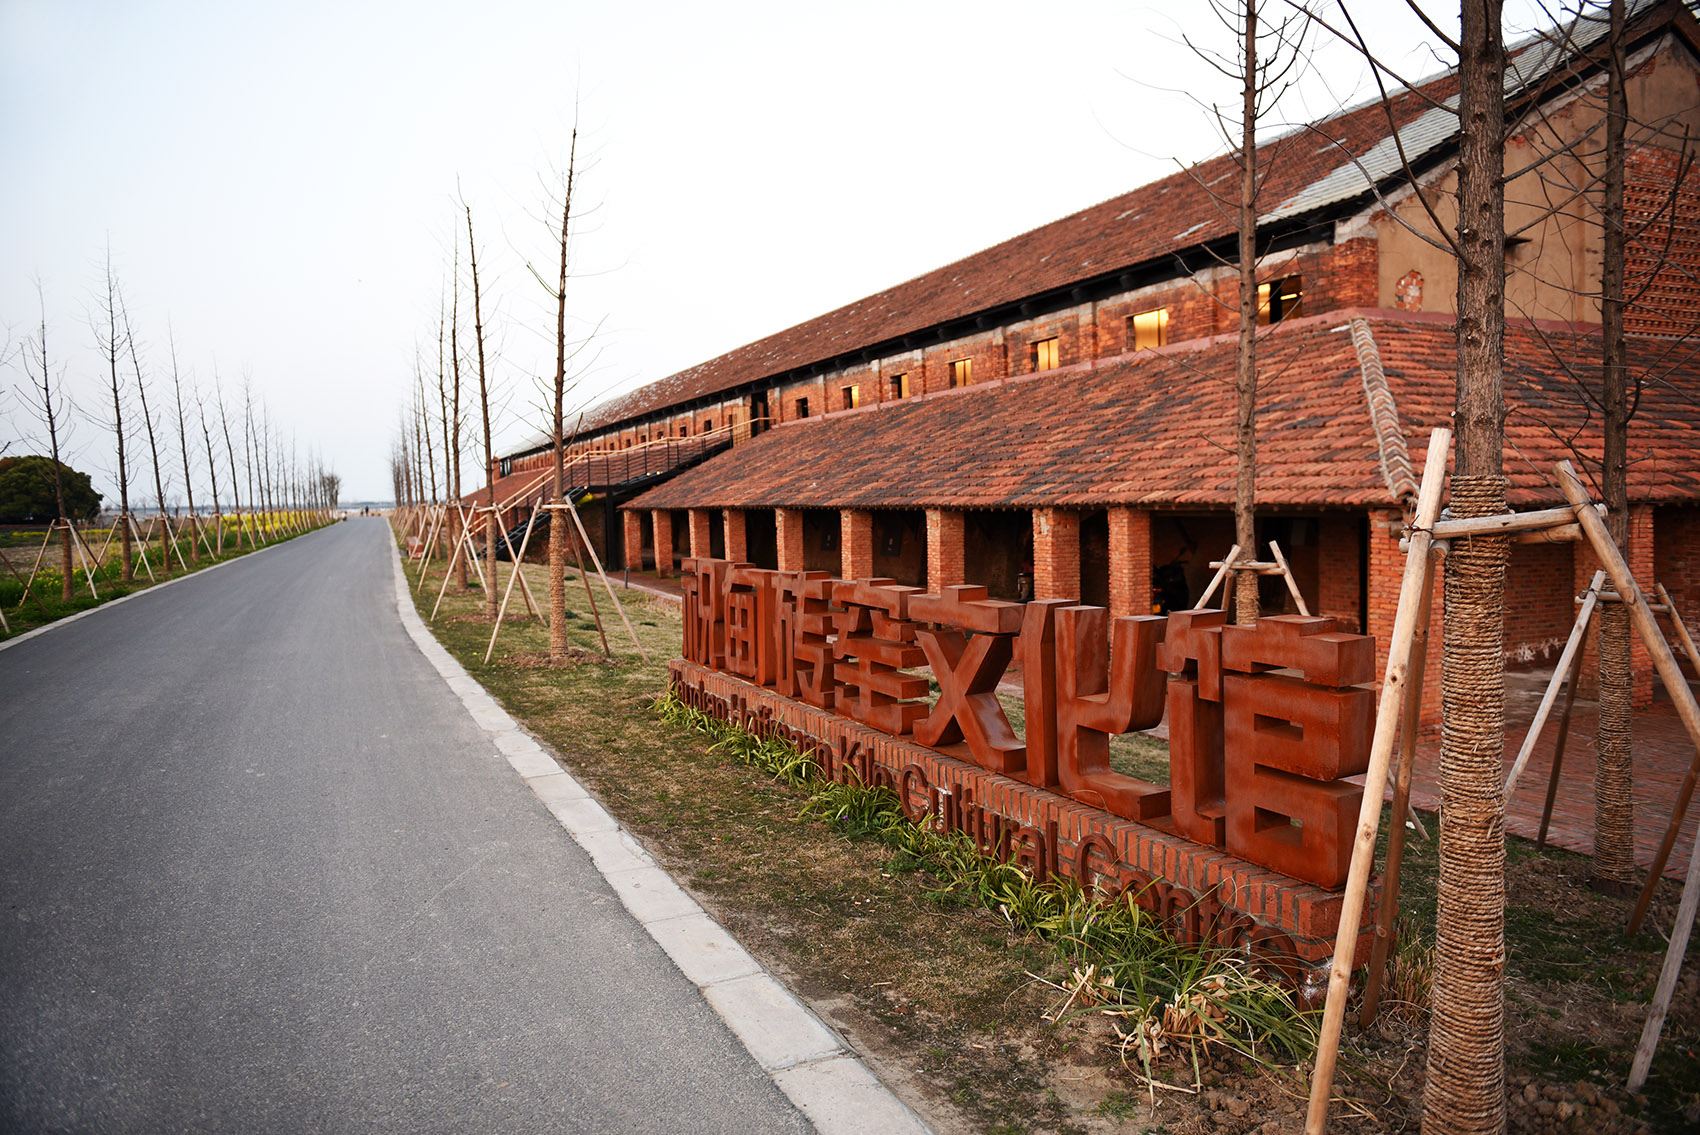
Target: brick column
945,538
736,545
856,539
663,521
789,522
699,532
1130,562
1056,554
1386,573
634,539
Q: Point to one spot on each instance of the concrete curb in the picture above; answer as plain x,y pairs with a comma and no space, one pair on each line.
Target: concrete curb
808,1061
149,590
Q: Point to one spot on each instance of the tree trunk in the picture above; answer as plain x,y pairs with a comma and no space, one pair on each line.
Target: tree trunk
492,526
1245,438
1465,1089
1614,776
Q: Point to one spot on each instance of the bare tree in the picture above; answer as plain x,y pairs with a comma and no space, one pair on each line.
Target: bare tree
212,473
183,448
492,524
45,395
153,443
110,349
1465,1089
461,566
1267,56
235,481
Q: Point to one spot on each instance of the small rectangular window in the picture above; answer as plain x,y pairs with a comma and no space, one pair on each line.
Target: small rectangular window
1148,329
852,397
962,372
1044,354
900,385
1279,300
708,425
802,407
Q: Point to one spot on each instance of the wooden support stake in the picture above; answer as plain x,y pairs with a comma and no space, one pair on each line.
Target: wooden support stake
1287,574
1681,628
46,539
82,554
1671,970
1559,672
524,584
142,539
1387,913
597,560
1388,714
502,613
1663,661
1221,574
1558,751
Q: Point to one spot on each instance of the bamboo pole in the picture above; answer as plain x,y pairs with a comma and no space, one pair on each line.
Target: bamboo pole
1686,793
46,539
28,594
1393,687
1668,973
524,584
88,570
1681,628
1663,661
1216,581
1287,574
449,569
1558,752
597,560
1388,910
141,538
502,612
1559,672
1506,522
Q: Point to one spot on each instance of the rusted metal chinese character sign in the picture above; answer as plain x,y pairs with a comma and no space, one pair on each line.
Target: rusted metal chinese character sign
1265,720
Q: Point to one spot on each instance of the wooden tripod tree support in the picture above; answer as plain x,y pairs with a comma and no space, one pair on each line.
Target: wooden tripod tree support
502,612
1417,579
1277,566
597,561
1689,711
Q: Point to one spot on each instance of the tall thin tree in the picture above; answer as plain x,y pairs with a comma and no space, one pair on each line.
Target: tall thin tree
46,396
183,448
492,523
153,442
110,349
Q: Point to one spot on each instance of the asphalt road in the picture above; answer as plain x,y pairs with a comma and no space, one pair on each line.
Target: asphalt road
260,871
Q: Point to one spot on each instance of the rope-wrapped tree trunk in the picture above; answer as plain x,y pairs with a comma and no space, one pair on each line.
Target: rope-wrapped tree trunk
1465,1088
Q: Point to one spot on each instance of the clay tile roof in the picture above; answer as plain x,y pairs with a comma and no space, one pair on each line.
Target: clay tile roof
1325,165
1156,429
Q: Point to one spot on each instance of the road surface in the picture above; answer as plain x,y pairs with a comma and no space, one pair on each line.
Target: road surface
261,871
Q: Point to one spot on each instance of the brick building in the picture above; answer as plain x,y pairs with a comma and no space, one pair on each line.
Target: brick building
1053,417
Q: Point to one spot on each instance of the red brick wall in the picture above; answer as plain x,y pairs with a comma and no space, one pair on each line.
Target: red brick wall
1192,312
1130,562
1540,604
736,547
945,538
987,351
789,521
1056,554
633,523
856,543
1386,572
1068,328
700,532
1339,559
663,522
1676,564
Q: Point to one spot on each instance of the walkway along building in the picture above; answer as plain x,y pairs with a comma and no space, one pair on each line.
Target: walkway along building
1053,417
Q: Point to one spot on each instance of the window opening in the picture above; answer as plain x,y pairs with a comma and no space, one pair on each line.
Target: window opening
852,397
900,385
1279,299
962,372
1044,354
802,407
1148,329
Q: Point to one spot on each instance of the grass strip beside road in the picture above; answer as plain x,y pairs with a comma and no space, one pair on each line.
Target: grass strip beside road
948,1000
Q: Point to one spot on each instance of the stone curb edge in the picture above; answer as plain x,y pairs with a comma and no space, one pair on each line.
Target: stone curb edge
807,1060
149,590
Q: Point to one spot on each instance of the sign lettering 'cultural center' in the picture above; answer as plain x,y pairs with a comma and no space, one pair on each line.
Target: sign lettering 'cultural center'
1243,847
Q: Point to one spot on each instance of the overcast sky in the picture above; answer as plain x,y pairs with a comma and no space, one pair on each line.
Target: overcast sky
278,182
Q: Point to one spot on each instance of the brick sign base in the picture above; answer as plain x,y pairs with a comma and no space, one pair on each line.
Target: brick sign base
1200,893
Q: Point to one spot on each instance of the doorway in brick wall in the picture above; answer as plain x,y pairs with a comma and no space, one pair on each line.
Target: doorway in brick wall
900,545
997,551
821,530
761,538
1095,558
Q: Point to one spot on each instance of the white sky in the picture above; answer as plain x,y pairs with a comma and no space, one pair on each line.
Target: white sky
278,181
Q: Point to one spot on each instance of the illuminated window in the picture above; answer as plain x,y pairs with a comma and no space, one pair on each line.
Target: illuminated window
1280,299
1044,354
1148,329
900,385
802,407
852,397
962,372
